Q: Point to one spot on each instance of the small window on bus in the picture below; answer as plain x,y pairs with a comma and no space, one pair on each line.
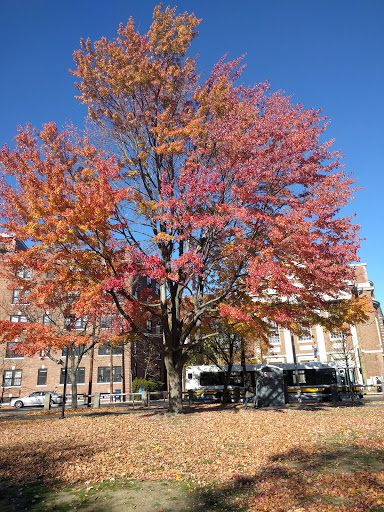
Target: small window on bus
189,376
301,377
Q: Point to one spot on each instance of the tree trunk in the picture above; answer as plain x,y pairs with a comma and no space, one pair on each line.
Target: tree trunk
232,341
225,397
175,385
246,379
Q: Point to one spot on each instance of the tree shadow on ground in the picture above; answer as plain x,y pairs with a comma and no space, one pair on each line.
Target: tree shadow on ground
321,406
42,460
333,458
332,478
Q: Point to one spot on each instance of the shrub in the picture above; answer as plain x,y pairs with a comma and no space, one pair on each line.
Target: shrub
148,385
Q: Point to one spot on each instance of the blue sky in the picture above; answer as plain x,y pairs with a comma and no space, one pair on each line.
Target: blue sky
328,54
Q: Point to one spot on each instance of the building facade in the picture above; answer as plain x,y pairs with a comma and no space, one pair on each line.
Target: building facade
361,350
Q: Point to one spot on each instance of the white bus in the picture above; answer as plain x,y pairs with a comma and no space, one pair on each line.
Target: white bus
317,381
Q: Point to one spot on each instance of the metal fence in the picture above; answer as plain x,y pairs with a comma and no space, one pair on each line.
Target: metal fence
142,399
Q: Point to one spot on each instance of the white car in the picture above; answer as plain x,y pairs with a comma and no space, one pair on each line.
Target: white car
36,398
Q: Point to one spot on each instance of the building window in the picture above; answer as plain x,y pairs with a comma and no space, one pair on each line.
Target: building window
42,377
274,336
12,378
9,351
72,297
24,273
159,329
71,322
47,319
15,296
78,350
306,335
20,298
105,350
80,376
105,322
81,323
104,374
337,335
18,318
149,325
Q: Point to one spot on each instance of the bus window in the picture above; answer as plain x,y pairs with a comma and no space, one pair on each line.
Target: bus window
352,375
310,377
212,379
301,377
252,376
343,380
326,377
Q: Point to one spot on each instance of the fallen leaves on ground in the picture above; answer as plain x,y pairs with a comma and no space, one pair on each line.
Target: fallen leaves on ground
292,460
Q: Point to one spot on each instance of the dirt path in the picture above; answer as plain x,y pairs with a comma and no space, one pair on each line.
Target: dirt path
143,497
129,497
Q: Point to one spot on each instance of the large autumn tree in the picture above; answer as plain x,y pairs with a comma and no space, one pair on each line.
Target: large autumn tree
217,191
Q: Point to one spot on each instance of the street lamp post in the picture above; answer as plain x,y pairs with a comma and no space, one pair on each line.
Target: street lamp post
89,400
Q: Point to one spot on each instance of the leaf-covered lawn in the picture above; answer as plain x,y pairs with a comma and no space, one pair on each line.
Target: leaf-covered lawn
323,459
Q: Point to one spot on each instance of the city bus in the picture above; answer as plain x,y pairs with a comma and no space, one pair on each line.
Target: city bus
317,381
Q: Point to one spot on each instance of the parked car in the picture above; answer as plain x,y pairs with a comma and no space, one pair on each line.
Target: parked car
36,398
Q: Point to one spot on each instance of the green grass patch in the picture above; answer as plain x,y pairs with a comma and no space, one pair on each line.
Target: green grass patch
123,495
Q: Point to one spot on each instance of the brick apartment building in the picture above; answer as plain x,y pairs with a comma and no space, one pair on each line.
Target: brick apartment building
21,375
361,349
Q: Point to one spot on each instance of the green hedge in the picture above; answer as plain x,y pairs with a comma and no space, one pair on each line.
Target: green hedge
148,385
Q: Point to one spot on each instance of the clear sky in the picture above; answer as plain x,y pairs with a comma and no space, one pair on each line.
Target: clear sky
328,54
